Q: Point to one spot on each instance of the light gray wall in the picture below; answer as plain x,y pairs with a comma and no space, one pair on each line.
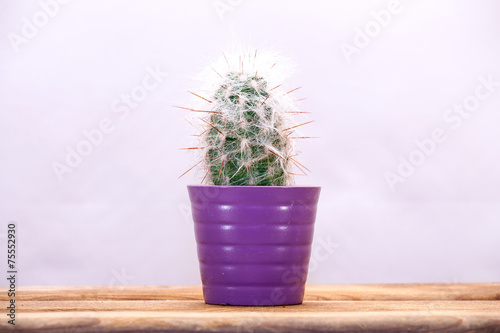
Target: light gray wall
122,217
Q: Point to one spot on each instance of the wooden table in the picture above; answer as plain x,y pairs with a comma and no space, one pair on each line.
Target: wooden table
329,308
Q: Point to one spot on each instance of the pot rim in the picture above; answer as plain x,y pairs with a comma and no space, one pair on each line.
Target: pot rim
254,186
282,195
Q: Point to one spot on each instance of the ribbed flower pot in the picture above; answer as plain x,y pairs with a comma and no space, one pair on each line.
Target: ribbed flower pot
254,242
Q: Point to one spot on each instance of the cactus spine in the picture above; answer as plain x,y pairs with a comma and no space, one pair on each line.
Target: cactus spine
246,128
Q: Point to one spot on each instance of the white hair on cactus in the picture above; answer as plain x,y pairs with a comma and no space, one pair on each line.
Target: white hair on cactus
274,67
246,119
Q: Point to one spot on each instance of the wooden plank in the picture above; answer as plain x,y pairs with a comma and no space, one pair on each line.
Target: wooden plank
415,292
307,306
136,321
48,293
380,292
334,308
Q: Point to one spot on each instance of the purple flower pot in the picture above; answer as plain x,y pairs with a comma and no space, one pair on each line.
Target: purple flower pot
254,242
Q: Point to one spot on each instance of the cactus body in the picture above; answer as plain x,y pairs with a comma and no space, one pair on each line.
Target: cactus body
245,138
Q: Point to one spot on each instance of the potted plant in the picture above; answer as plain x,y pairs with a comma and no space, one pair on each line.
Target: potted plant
253,228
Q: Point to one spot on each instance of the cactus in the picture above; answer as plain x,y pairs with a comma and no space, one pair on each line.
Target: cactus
246,133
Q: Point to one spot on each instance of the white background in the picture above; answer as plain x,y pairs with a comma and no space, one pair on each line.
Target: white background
121,216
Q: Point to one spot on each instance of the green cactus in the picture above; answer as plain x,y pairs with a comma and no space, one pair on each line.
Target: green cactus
246,143
246,138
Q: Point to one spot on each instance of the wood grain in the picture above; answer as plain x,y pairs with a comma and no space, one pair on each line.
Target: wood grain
124,321
328,308
376,292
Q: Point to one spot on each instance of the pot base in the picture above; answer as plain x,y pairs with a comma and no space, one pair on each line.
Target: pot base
253,295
